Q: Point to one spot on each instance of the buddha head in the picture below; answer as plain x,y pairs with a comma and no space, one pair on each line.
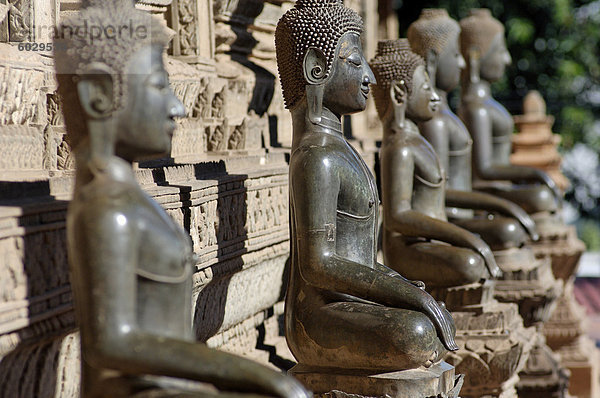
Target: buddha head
403,82
482,41
113,82
436,35
320,58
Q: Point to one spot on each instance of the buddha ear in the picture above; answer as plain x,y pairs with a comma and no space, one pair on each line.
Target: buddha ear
315,68
398,92
398,97
96,91
431,65
474,64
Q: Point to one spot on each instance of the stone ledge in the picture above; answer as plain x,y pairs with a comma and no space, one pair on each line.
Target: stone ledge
438,380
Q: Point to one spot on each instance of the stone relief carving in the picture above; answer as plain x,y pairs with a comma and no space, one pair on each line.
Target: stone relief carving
215,137
55,116
19,20
192,20
237,138
187,27
217,104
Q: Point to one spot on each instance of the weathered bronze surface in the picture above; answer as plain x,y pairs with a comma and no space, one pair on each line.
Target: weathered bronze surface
490,125
131,265
343,309
418,241
435,36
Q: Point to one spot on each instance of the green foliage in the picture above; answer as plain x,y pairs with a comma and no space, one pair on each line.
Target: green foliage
555,50
589,232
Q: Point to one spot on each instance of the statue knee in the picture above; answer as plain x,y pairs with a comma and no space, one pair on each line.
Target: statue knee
544,200
474,267
511,233
419,343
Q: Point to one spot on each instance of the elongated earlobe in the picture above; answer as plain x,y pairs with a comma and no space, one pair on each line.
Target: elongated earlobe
398,97
474,65
314,98
432,62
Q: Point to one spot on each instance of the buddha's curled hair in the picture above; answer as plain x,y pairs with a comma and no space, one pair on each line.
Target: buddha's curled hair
432,31
393,61
311,23
478,30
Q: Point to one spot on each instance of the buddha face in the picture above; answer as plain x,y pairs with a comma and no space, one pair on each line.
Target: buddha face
146,122
423,101
347,88
494,62
450,64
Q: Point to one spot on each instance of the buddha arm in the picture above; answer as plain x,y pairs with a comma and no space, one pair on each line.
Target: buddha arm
397,170
483,201
106,280
315,187
479,124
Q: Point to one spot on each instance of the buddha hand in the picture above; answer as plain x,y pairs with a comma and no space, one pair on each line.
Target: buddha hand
442,320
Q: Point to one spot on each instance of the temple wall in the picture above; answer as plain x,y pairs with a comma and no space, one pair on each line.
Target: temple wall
225,182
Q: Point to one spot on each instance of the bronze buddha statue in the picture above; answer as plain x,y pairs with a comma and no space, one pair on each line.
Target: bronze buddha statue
343,309
435,36
131,264
418,241
491,126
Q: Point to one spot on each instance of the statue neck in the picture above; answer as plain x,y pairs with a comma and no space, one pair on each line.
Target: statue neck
405,127
96,157
330,123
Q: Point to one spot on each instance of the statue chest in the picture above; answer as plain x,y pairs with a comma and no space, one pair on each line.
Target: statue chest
357,211
164,270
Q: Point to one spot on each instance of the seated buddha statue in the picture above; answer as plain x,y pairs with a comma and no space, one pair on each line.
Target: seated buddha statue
418,241
502,224
491,126
343,309
131,265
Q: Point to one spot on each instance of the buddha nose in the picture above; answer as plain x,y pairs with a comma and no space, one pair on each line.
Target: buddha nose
507,58
435,98
368,76
176,108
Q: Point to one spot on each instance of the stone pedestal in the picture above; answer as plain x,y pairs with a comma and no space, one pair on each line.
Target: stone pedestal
494,344
438,381
527,281
544,375
565,334
564,330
